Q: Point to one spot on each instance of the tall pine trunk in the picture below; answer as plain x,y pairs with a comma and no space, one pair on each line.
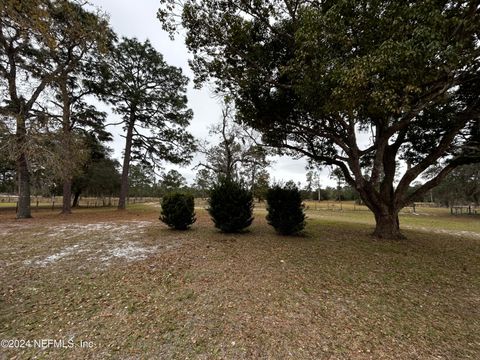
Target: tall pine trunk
23,174
67,145
126,164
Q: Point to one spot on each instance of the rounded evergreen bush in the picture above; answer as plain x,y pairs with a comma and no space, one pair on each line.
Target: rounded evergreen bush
285,209
230,206
178,210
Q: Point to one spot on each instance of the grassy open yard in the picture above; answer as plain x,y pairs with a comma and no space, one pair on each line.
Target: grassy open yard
135,289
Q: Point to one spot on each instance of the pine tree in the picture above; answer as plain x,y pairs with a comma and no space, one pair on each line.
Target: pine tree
230,206
285,209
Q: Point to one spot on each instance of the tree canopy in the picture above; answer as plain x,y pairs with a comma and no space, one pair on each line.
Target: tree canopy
377,85
150,97
237,156
85,38
172,181
41,41
460,187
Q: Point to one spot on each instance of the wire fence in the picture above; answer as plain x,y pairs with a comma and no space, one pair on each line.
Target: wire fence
467,210
354,206
55,202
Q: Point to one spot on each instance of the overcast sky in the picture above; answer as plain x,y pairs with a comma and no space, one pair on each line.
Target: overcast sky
138,19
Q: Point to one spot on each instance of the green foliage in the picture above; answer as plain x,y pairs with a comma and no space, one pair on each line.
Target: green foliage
178,210
285,209
99,175
204,181
172,181
148,94
41,43
230,206
7,165
460,187
261,185
7,175
141,180
315,77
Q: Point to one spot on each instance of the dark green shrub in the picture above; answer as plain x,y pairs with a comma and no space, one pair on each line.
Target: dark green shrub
230,206
285,209
178,211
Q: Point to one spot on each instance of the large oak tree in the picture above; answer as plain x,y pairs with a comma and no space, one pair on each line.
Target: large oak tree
25,40
84,38
373,87
41,42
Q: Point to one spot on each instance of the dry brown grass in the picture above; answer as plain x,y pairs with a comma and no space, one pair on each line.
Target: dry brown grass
334,293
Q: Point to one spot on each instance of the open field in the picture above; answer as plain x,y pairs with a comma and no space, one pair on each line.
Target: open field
136,289
425,219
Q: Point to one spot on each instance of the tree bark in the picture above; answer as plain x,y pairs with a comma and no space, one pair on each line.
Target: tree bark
387,226
23,174
76,197
24,211
126,164
67,143
387,223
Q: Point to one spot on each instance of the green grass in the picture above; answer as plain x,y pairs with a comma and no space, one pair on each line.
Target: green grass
425,219
7,205
334,292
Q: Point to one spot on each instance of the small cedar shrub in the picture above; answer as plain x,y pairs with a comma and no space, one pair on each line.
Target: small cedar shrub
285,210
230,206
178,210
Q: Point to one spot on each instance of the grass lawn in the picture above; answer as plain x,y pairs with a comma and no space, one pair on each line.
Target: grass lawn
135,289
425,219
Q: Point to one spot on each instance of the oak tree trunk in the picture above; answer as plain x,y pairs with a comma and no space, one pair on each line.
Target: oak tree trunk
387,226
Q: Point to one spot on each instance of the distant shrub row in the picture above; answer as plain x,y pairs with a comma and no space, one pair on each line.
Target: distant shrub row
231,208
